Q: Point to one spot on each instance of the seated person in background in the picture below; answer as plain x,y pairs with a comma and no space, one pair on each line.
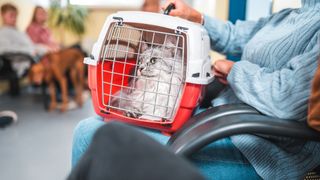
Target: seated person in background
39,33
11,39
15,48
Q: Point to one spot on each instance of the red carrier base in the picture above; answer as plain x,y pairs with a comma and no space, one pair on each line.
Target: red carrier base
100,80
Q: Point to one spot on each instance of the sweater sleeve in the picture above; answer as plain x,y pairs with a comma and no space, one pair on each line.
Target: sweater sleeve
228,38
281,93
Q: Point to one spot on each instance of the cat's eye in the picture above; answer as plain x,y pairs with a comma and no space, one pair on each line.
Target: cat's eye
153,60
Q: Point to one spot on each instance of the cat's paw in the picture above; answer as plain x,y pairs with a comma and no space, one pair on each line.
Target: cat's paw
134,113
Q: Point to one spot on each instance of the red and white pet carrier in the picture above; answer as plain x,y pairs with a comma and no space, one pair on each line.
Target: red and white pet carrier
116,74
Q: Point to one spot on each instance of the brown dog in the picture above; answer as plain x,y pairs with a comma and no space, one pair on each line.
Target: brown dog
54,66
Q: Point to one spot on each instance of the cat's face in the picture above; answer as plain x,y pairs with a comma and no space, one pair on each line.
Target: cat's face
156,60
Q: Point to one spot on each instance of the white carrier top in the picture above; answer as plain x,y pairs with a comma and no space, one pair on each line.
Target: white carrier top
198,66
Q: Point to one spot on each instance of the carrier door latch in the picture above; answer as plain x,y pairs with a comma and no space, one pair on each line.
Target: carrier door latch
181,29
119,20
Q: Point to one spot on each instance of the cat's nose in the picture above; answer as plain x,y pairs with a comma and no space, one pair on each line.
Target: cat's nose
141,68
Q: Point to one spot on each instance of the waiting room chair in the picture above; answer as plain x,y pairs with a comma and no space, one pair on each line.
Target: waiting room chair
7,72
228,120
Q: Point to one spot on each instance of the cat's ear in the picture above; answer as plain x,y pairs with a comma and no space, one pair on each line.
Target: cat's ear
171,44
171,41
143,46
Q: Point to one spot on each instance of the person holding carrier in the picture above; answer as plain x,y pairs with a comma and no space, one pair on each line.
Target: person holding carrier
278,63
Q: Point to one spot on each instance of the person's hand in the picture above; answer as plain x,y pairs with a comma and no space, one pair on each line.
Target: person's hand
183,10
221,69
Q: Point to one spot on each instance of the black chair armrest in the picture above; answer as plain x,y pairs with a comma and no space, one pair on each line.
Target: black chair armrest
235,124
210,115
5,62
7,56
211,91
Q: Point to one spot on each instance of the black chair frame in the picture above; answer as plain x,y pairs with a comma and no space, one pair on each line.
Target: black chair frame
234,119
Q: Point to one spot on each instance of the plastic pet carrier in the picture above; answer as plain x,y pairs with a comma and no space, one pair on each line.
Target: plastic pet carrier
149,69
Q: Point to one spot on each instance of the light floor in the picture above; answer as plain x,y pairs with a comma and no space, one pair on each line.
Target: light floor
38,147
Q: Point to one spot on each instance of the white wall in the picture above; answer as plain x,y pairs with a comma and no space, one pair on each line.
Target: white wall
43,3
214,8
206,6
127,4
281,4
258,8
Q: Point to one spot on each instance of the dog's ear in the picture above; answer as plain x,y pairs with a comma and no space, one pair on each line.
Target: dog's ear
36,73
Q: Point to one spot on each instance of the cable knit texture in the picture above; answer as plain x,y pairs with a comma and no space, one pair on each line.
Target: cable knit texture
279,59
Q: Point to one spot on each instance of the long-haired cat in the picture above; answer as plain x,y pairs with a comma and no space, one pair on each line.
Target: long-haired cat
155,88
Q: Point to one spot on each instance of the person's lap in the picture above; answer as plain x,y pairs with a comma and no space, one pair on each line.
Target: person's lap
219,160
85,130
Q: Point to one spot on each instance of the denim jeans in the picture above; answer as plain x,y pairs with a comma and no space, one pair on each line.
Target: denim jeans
219,160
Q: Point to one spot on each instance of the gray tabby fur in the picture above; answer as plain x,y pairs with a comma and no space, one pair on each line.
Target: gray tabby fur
160,74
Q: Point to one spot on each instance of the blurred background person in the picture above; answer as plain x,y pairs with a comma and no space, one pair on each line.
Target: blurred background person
16,49
11,39
39,33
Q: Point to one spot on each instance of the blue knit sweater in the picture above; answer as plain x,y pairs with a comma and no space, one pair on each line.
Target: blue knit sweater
279,59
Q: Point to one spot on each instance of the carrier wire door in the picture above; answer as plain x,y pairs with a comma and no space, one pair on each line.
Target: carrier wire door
122,49
146,72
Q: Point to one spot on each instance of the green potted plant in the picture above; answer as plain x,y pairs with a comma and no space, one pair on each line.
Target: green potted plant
70,18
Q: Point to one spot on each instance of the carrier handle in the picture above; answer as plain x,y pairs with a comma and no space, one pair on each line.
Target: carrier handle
169,8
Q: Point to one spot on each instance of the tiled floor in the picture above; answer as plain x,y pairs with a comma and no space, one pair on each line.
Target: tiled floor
38,147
